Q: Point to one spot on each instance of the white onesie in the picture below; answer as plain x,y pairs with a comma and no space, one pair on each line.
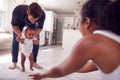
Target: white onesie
27,47
115,75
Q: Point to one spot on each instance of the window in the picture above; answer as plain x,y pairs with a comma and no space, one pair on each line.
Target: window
2,13
0,20
1,4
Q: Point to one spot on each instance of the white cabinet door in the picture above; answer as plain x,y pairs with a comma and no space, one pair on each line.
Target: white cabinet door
42,38
68,22
70,37
48,24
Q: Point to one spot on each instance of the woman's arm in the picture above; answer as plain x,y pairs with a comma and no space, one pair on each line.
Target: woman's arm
88,67
78,57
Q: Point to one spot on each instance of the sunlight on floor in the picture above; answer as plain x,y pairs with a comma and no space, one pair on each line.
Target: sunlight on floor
46,50
5,58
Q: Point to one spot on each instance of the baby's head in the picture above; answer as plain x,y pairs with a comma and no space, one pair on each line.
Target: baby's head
29,32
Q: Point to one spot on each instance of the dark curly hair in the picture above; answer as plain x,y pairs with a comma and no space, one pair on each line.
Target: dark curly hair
110,17
91,9
35,10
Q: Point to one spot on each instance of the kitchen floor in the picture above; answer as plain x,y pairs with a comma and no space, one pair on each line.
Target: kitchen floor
48,56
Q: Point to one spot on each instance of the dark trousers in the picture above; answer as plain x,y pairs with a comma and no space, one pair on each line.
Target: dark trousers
15,49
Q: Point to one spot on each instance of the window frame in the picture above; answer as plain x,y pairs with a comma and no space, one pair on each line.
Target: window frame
3,13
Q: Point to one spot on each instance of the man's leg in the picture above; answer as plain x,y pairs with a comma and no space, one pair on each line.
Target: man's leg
15,49
35,53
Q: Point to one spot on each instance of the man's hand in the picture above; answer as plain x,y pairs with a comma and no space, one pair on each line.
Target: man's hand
37,32
20,39
37,76
36,41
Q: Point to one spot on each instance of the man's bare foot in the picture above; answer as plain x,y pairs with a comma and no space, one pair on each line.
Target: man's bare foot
13,66
23,70
37,66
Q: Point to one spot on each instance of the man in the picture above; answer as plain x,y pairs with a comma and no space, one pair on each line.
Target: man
24,15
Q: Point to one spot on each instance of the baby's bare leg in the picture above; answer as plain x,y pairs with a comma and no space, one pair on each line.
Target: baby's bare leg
31,61
23,58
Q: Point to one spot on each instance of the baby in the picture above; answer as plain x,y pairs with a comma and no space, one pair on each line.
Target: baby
27,41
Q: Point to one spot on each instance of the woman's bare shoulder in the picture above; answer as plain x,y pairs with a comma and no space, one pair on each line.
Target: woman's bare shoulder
88,40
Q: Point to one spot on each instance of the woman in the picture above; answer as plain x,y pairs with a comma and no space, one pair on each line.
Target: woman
100,43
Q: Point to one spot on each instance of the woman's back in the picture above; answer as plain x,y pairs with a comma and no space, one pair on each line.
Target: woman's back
107,54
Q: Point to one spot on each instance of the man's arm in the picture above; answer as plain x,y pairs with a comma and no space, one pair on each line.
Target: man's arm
37,31
19,35
40,24
17,30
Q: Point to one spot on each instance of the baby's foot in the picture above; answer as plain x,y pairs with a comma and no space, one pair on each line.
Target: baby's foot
31,69
23,70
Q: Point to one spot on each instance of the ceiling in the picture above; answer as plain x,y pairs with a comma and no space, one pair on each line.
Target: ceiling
61,6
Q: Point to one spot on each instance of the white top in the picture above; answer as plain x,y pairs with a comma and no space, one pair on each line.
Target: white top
109,34
27,47
115,75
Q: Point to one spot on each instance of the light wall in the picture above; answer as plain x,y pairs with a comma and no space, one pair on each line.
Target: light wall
11,5
61,23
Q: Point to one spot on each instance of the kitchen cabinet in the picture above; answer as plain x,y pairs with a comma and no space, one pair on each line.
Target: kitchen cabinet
70,37
50,28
